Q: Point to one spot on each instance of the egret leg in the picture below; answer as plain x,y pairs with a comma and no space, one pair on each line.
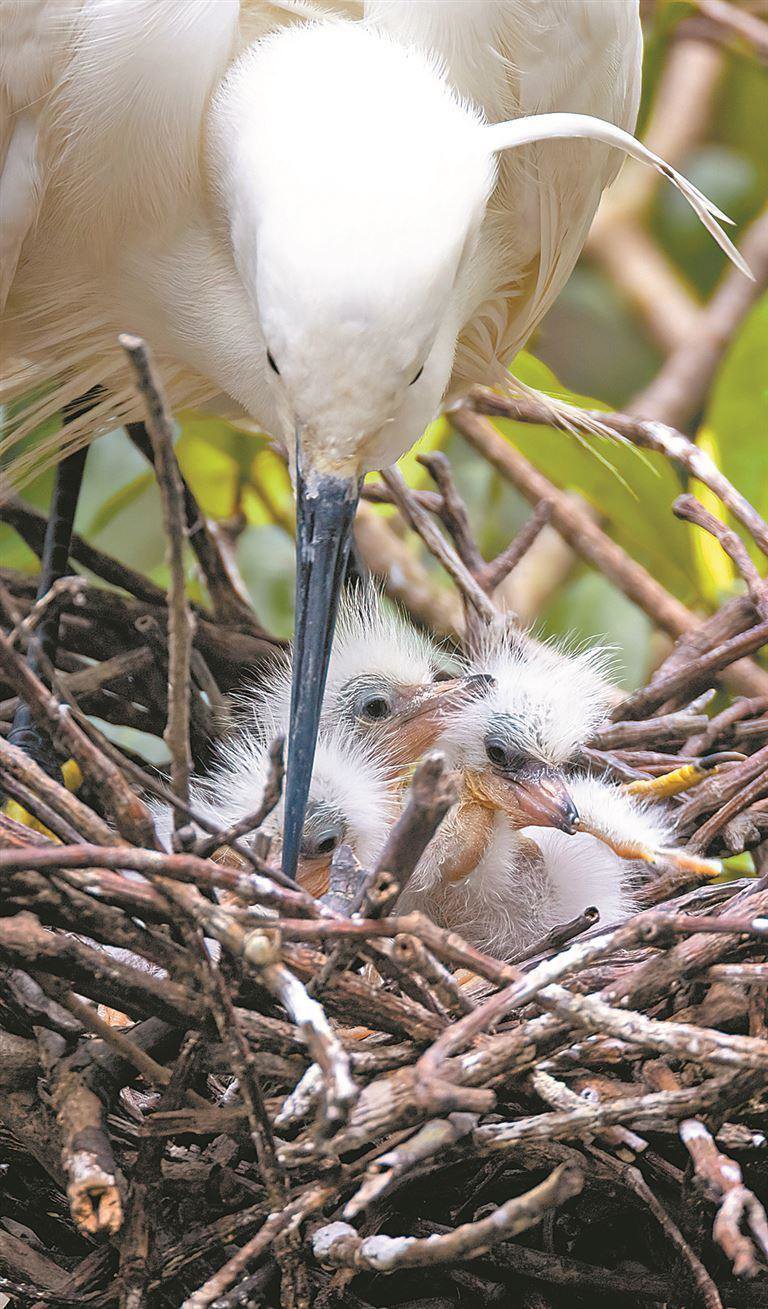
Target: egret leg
54,564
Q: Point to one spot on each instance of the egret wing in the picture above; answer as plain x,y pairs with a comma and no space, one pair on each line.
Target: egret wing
514,58
101,113
33,38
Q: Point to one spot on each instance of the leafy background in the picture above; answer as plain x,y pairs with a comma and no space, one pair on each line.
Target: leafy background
595,346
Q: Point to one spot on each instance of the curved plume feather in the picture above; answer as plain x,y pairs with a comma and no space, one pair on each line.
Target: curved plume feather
562,127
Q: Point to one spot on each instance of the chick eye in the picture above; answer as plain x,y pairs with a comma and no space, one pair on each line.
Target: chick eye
415,379
375,708
326,844
501,755
442,675
272,364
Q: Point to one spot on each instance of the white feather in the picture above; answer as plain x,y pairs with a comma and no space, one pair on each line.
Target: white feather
347,777
563,127
554,697
225,178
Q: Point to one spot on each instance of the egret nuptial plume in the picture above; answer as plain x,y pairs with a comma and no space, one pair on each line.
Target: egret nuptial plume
328,225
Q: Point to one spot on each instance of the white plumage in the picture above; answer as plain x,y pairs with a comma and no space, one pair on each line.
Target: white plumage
491,873
546,700
384,683
322,192
351,793
328,224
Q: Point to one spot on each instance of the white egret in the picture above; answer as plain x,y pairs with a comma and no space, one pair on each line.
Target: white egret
532,842
353,799
329,223
389,686
525,881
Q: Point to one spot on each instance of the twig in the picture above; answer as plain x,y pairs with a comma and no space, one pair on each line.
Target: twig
420,521
273,788
324,1046
339,1245
93,1188
739,21
678,389
130,813
381,1175
585,537
700,673
180,622
691,509
223,584
277,1223
722,1182
648,434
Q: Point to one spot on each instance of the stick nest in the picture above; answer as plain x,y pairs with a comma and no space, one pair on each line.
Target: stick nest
327,1116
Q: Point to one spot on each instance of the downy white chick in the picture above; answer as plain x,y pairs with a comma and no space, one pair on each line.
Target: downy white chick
508,863
389,685
352,799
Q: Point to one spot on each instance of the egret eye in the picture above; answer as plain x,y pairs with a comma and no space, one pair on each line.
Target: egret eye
373,702
415,379
272,364
326,844
375,707
322,835
442,675
502,755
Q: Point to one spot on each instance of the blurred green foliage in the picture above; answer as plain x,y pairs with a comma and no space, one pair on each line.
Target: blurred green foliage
592,349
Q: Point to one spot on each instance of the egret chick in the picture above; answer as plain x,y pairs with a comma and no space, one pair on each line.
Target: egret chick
531,880
352,800
530,844
510,747
388,685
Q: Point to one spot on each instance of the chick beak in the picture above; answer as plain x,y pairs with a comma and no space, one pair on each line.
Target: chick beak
543,800
424,713
325,510
531,797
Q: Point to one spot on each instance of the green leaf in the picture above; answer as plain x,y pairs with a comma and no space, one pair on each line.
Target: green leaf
15,553
736,420
211,472
265,558
119,500
631,490
591,609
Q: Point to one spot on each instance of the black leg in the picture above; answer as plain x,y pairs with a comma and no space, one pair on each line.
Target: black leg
54,563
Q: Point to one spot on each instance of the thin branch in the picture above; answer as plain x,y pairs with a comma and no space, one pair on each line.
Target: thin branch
180,621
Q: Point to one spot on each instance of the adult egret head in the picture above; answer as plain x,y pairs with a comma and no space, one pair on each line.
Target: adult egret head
353,214
354,182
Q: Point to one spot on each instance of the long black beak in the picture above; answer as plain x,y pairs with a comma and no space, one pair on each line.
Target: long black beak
325,510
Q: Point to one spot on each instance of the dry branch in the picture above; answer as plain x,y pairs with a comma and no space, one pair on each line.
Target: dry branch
332,1061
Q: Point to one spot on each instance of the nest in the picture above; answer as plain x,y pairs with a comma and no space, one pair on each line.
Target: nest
330,1115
